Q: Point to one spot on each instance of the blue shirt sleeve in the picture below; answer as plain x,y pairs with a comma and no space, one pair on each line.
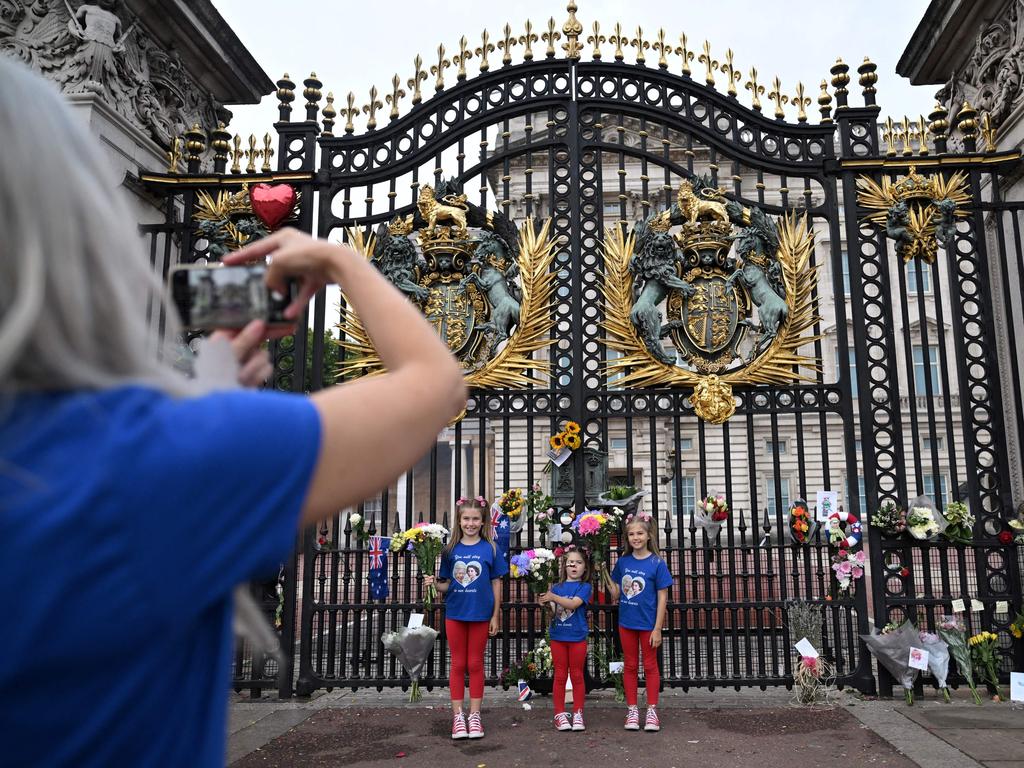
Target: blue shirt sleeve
617,571
662,578
499,567
445,571
218,484
584,593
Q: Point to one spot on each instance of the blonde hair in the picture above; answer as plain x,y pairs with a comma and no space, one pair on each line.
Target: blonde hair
652,535
485,529
562,572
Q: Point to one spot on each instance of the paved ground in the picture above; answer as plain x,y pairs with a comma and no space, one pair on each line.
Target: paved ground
726,729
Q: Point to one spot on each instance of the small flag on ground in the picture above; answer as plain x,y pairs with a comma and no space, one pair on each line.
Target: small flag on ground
379,567
525,694
500,529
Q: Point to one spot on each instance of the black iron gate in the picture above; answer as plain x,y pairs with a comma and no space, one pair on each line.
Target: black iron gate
598,144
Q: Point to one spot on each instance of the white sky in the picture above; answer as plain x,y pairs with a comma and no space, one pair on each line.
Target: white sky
355,45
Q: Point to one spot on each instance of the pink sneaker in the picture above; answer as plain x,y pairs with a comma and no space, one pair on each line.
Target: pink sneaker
651,722
459,727
577,721
632,719
562,722
476,728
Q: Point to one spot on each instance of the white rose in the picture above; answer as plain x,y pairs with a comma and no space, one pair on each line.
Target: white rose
355,519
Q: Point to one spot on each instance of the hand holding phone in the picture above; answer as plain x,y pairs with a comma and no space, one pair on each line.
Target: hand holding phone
214,296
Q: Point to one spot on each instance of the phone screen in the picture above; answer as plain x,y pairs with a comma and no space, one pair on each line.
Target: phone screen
214,296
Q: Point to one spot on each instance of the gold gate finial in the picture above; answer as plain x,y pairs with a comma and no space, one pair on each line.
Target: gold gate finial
251,155
173,156
371,108
756,91
641,45
506,44
802,102
350,112
779,98
662,48
709,63
236,153
922,136
730,72
889,137
486,47
595,40
460,59
267,153
618,40
551,36
825,103
988,132
439,68
528,40
572,30
686,53
414,83
396,93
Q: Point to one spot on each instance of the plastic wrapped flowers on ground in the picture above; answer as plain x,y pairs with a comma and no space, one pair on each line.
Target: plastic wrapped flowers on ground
938,659
924,521
951,630
412,647
892,649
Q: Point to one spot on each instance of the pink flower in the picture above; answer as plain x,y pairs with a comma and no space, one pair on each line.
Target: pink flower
589,525
857,572
861,557
842,553
845,568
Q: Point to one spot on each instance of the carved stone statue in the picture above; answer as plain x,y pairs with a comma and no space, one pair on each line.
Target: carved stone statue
897,227
496,278
95,64
396,258
945,229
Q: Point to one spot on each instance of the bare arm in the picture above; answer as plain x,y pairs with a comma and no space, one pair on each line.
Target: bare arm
373,428
569,603
495,624
659,618
611,587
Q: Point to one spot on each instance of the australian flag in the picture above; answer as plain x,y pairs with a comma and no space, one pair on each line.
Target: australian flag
500,529
379,567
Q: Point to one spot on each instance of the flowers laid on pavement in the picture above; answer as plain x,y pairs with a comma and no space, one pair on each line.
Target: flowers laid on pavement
412,647
938,659
892,649
536,663
985,654
425,540
511,503
960,523
890,519
951,629
848,567
355,520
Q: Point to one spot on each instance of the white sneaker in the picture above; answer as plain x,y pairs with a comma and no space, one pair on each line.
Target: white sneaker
562,722
577,721
632,719
651,722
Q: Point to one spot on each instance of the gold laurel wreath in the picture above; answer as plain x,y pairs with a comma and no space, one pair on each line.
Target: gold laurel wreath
511,367
777,364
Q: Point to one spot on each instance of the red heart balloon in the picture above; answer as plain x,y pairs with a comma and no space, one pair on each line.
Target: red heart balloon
272,203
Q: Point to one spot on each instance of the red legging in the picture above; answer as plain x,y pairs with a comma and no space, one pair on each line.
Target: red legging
635,642
568,659
466,641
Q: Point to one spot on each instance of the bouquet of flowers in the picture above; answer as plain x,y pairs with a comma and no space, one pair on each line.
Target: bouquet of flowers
567,438
541,508
596,528
815,680
412,647
938,659
711,512
924,521
985,653
511,505
801,525
951,630
848,567
890,519
538,566
960,523
892,649
425,540
1017,626
355,520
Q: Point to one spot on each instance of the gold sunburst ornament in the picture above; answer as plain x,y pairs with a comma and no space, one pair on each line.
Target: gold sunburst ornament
466,288
918,213
708,299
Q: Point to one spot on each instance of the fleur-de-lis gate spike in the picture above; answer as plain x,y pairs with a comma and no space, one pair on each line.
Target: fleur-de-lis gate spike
550,37
595,40
267,153
709,63
528,40
618,40
731,75
506,44
236,153
572,29
371,109
802,102
922,133
460,59
414,82
438,69
889,137
350,112
251,155
756,91
662,48
779,98
686,53
396,94
641,45
486,47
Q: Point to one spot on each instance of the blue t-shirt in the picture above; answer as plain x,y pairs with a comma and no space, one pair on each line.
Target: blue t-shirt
639,582
569,625
470,567
126,519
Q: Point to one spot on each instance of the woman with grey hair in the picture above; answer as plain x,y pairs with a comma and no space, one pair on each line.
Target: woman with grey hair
131,503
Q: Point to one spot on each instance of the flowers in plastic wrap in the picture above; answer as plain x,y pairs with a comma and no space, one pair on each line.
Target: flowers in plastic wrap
951,630
985,653
511,503
959,523
538,566
412,647
711,512
938,659
889,519
801,525
848,567
424,540
892,649
924,521
596,528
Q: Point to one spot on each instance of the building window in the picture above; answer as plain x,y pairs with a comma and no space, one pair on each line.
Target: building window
618,443
862,499
687,493
845,260
926,278
613,354
858,447
927,365
941,498
686,444
928,442
612,212
852,355
769,493
772,447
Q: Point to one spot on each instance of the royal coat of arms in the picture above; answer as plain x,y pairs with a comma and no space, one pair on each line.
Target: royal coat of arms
729,287
485,285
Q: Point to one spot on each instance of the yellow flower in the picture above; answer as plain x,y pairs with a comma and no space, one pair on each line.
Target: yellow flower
557,442
572,441
572,428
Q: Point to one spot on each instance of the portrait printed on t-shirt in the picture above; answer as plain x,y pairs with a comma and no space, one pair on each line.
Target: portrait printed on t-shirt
632,586
563,613
466,573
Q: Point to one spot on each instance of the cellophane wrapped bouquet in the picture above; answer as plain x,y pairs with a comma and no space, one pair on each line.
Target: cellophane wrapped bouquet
425,540
412,647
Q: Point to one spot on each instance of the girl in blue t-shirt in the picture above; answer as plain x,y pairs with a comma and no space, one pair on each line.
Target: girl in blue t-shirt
639,583
568,634
470,579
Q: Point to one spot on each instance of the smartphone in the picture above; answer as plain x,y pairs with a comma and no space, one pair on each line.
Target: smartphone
211,296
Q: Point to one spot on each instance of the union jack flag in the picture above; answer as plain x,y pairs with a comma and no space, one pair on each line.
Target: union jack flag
377,550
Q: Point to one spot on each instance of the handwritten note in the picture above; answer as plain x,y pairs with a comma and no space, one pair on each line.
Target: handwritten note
804,648
827,504
958,606
977,605
1002,606
415,620
918,658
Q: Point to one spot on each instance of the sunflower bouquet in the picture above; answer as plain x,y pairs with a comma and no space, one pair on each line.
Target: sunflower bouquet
569,438
425,540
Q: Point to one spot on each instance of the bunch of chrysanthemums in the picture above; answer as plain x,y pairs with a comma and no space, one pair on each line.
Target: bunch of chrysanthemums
538,566
848,567
425,540
596,528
